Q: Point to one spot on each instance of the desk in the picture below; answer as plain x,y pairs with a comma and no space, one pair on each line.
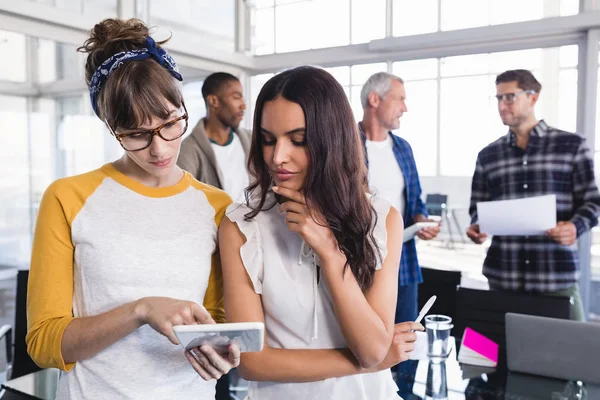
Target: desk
461,382
454,381
41,384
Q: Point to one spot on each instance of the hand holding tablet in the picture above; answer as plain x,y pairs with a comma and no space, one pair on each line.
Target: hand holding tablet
411,231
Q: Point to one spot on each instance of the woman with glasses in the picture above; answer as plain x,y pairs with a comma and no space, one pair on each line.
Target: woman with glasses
123,253
312,254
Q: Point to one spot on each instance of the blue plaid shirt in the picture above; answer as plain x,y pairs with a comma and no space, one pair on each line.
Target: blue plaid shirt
410,273
554,162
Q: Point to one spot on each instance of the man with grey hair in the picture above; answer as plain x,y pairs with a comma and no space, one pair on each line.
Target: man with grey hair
393,175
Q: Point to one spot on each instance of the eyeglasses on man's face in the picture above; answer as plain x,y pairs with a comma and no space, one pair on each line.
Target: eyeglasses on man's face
509,98
140,140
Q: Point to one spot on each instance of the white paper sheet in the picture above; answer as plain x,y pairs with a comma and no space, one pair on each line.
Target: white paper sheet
519,217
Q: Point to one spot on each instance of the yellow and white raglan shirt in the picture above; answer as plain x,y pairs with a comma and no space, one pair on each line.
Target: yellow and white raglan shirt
103,240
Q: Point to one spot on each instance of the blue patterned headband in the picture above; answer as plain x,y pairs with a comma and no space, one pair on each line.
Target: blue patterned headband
117,60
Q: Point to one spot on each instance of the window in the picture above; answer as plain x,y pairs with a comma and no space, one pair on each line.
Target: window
328,31
83,141
263,27
415,17
292,34
194,102
368,20
468,111
466,122
14,44
210,20
97,8
358,76
256,84
70,63
419,125
595,251
15,211
46,50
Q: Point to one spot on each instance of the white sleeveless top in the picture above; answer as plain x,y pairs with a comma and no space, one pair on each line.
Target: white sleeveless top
298,309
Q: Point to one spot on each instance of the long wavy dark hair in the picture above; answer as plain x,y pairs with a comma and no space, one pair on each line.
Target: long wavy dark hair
336,183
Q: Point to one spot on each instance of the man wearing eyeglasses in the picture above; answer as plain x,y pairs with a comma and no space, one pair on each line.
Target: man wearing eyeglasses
535,159
217,149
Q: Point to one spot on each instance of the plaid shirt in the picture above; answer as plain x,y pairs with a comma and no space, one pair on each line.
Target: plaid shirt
410,273
555,162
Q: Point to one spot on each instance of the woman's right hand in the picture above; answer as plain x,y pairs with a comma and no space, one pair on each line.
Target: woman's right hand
402,344
162,313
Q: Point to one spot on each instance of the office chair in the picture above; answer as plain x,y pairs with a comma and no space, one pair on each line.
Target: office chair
484,311
442,284
18,360
437,206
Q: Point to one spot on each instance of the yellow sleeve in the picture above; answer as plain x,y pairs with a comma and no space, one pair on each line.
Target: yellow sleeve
214,296
50,285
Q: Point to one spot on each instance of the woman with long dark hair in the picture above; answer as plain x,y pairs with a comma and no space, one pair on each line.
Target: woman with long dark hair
311,253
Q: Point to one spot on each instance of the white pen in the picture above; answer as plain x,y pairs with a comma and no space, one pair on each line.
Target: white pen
426,308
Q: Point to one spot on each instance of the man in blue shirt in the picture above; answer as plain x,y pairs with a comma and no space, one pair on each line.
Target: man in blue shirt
393,175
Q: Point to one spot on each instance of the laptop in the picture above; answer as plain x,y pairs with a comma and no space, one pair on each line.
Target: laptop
555,348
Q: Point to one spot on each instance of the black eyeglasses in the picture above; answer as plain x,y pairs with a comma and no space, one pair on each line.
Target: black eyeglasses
140,140
510,98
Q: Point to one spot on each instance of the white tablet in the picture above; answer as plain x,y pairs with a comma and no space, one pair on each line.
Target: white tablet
248,335
411,231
